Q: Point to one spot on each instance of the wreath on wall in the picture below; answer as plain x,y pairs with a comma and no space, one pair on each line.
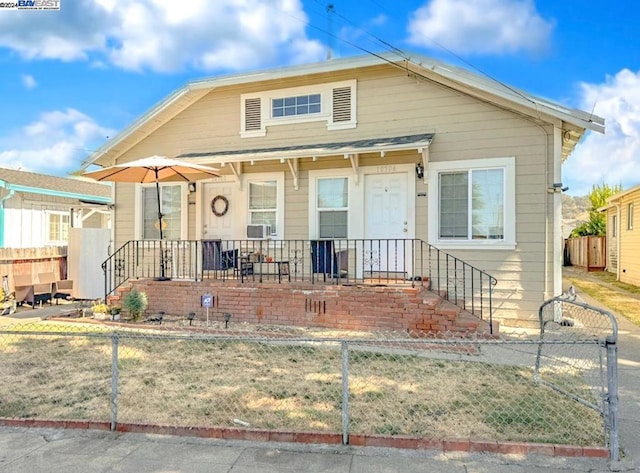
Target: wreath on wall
214,205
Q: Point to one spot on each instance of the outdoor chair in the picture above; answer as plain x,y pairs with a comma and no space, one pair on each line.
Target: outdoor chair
326,261
214,258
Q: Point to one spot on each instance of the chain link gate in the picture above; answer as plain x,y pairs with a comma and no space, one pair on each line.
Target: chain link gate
579,343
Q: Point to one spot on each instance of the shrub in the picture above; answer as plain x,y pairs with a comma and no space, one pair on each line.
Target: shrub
135,302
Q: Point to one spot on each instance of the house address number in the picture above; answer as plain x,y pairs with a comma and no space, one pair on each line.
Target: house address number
386,169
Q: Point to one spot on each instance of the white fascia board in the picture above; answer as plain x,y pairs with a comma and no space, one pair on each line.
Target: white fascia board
305,153
491,86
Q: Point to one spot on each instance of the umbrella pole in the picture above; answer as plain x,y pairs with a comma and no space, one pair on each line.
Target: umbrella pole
163,276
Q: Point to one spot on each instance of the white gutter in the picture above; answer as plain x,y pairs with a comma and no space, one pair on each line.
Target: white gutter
618,238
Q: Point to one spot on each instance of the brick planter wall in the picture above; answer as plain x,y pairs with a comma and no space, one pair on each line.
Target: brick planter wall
307,305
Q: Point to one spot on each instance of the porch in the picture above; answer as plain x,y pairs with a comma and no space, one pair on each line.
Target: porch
305,265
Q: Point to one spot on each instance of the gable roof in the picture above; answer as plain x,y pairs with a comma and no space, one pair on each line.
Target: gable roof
574,122
615,199
84,190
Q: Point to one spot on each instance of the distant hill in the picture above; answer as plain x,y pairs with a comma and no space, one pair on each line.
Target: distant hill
575,207
575,211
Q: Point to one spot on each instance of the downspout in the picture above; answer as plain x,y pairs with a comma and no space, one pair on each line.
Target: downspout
557,212
2,200
546,211
619,234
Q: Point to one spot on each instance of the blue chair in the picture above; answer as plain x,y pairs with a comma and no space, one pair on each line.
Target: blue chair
211,254
214,259
325,260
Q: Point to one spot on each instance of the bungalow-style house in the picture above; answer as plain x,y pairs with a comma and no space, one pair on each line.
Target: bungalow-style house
623,241
37,210
356,172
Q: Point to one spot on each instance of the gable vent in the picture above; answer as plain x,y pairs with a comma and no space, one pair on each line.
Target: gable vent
342,104
252,114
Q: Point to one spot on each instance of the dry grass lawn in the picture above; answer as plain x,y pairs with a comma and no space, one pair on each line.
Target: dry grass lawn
282,385
619,302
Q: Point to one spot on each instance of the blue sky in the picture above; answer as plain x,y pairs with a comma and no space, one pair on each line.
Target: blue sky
71,78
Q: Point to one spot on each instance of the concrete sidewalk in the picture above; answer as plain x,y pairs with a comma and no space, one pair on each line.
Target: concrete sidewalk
84,451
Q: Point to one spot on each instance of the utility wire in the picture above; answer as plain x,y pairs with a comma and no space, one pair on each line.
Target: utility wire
404,56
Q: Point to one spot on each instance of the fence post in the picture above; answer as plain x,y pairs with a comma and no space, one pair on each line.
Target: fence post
114,380
612,396
345,393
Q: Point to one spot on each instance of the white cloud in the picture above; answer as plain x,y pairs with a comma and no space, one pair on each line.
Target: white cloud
57,142
28,81
165,35
480,26
612,158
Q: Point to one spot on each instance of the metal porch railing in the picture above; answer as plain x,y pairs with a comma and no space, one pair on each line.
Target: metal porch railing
349,261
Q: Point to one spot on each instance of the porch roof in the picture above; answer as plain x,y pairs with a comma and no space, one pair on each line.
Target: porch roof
346,148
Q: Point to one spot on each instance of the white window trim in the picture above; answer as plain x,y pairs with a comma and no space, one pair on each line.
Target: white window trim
48,214
326,112
280,209
352,208
184,208
509,166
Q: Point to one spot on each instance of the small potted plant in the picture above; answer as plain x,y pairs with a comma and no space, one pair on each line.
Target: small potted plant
100,310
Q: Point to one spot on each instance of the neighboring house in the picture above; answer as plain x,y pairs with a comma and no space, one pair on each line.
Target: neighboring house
369,147
37,210
623,240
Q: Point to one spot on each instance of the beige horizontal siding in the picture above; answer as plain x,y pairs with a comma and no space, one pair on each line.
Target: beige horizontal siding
390,104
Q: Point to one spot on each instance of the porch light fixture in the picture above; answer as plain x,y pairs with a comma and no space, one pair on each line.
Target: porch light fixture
192,187
419,170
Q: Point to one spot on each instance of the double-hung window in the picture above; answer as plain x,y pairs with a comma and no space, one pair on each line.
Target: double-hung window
263,204
472,203
332,207
630,216
58,225
171,205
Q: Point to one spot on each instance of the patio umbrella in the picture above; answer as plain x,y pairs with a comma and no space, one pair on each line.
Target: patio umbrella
154,169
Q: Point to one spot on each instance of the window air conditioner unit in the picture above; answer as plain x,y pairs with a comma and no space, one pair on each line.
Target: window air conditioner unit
258,231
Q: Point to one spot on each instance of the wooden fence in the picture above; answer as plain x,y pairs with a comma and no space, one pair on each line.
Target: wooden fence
32,261
589,252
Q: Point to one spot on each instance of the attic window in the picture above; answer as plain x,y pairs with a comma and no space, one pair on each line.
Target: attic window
295,106
334,103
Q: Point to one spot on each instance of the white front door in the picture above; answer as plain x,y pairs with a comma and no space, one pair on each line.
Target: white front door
222,227
386,223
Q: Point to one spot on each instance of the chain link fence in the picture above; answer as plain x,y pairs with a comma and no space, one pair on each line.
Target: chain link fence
516,388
